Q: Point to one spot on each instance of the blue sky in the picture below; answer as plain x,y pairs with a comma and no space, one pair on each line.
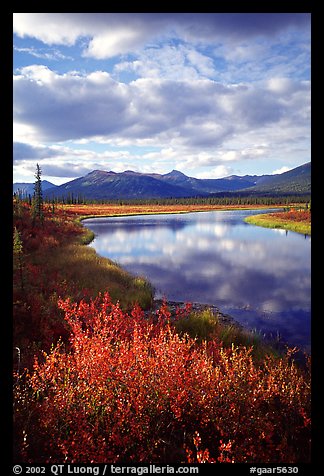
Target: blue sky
210,94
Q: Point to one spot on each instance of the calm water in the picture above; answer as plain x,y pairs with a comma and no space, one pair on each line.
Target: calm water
259,276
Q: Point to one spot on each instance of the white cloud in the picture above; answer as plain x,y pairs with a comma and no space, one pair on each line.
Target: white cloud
219,171
113,43
69,106
197,92
104,35
50,28
217,160
38,73
26,152
109,34
24,132
169,62
201,121
52,54
281,170
281,85
67,162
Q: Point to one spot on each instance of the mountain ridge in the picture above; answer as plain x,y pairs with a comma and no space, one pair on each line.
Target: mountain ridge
27,188
107,185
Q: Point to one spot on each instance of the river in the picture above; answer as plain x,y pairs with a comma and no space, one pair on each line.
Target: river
259,276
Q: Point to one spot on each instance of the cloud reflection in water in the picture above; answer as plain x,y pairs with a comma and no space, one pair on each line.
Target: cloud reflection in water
259,275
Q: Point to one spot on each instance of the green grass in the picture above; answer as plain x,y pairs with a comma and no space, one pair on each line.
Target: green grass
205,325
82,266
83,269
201,325
275,222
86,237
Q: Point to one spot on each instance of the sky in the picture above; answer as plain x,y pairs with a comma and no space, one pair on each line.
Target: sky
209,94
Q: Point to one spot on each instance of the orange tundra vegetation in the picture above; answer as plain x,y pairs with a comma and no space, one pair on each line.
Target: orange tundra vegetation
113,209
110,383
130,389
293,215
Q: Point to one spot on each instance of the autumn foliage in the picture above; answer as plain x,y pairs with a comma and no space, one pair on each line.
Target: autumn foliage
128,388
294,215
50,262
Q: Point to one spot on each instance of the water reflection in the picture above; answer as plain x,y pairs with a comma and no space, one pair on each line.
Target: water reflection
260,276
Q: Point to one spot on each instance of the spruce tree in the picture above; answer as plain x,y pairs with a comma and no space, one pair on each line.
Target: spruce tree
37,205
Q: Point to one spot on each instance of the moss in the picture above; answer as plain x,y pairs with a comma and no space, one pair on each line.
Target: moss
268,221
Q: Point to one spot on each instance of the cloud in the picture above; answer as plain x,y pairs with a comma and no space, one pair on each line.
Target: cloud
67,169
114,42
71,105
169,62
201,115
53,54
111,34
74,162
204,93
25,151
242,26
219,171
50,28
281,170
217,160
104,35
25,157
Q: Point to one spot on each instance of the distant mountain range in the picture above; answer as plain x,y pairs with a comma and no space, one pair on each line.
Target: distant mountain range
25,188
102,185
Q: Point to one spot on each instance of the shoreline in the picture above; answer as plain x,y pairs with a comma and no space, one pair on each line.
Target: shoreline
197,307
267,220
179,211
274,344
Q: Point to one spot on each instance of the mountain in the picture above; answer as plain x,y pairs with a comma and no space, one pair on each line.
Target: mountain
297,180
25,188
111,185
102,185
207,186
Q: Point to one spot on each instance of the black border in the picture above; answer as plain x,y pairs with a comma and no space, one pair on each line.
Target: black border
6,208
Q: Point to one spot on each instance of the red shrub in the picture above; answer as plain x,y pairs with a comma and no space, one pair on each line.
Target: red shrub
294,215
132,390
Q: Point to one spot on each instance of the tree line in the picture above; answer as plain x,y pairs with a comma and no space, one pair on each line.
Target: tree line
76,199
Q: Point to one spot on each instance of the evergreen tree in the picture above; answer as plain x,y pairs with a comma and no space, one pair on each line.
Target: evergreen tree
37,204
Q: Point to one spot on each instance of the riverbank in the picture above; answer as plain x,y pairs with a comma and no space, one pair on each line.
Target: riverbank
207,321
119,210
51,261
297,221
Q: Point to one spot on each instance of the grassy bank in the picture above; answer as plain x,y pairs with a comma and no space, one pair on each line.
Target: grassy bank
113,210
53,262
208,325
298,221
